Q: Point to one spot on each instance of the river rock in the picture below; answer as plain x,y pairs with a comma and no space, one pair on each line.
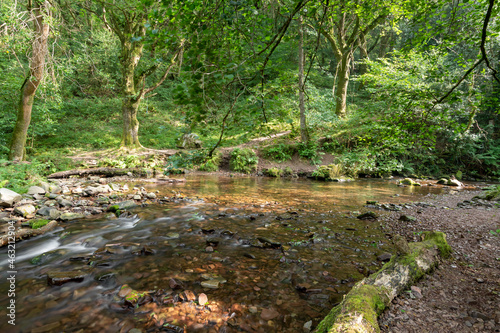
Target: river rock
51,212
55,189
202,299
189,141
63,202
268,314
45,186
151,195
175,284
409,181
25,210
114,187
455,182
35,190
367,216
407,218
60,278
103,189
211,284
122,205
71,216
188,296
8,198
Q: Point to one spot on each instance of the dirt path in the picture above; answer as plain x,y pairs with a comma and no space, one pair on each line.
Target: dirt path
463,295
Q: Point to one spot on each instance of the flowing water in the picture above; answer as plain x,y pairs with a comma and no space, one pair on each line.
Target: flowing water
269,255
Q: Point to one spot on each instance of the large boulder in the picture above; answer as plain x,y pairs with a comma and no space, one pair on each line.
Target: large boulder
189,141
8,197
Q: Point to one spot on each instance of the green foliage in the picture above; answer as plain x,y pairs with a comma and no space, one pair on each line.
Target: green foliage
20,176
310,151
328,172
274,172
279,152
243,160
129,162
185,160
211,164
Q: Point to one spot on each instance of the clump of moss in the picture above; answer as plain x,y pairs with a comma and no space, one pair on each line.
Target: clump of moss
36,224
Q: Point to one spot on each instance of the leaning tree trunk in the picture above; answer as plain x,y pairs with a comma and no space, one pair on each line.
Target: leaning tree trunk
30,85
342,83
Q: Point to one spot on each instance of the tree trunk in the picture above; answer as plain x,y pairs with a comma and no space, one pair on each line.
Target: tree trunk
30,85
304,135
131,54
342,83
130,136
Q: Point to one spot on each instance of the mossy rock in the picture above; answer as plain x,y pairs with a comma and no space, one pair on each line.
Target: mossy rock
36,224
410,182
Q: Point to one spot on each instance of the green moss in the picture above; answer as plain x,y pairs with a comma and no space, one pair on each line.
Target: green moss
409,181
329,320
36,224
114,208
366,301
360,308
438,239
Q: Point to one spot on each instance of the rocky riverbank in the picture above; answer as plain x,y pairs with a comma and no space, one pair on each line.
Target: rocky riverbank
69,199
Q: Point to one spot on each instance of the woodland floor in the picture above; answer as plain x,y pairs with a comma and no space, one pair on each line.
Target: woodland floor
463,294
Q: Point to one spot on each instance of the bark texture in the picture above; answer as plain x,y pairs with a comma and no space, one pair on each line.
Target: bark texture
37,64
359,310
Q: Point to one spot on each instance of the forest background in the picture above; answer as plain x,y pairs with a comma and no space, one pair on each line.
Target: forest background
403,87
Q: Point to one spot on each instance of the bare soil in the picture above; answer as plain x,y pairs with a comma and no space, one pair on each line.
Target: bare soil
463,294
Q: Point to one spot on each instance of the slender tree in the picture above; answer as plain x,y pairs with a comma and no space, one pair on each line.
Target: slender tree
304,135
40,12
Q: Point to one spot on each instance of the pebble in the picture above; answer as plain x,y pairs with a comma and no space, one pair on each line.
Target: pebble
202,299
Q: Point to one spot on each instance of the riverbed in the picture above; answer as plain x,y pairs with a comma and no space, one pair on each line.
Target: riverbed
225,254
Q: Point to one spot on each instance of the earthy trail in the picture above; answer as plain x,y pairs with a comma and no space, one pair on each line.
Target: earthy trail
463,295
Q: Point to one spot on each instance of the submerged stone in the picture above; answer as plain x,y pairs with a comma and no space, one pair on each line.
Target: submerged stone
60,278
211,284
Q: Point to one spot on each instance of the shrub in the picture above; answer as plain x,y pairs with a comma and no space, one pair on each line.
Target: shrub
328,172
310,151
211,163
273,172
279,152
243,160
